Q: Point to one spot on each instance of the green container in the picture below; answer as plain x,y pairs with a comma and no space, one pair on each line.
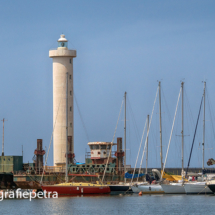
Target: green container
11,163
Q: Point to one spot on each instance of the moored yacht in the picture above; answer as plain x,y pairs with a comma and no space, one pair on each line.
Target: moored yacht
173,188
211,185
197,188
177,188
123,187
147,188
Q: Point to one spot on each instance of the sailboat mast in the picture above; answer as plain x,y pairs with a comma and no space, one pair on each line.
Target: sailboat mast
161,153
3,139
182,128
125,138
203,143
147,144
66,173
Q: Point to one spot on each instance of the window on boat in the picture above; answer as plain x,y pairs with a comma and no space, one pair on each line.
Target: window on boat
91,147
96,147
103,147
108,147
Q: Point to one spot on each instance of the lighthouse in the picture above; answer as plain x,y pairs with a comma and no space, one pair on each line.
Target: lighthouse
62,68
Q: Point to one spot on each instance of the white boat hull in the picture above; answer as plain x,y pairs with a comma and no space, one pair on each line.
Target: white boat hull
173,188
197,188
148,189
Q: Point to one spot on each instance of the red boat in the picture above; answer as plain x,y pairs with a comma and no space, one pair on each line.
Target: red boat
76,188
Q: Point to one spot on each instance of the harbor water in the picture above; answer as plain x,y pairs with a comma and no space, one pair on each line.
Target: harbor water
113,204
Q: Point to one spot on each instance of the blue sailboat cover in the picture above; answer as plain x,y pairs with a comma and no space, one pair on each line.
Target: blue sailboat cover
128,175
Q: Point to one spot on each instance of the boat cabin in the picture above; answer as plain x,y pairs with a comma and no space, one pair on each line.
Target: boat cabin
99,151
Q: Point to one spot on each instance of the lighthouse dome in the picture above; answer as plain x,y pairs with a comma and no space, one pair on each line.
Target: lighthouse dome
62,41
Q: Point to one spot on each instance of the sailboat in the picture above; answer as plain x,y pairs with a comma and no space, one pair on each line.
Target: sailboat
123,186
147,188
178,188
211,185
199,187
70,188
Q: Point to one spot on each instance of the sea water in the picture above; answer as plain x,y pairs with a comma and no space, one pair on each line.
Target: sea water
113,204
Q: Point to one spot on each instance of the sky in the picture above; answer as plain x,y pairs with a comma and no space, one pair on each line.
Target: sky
122,45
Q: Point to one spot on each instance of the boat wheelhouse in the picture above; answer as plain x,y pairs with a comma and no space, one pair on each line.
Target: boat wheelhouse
99,152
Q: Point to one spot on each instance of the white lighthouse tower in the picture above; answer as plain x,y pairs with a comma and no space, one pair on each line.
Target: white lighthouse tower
62,64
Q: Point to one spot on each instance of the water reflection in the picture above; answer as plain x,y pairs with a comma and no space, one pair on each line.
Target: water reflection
108,204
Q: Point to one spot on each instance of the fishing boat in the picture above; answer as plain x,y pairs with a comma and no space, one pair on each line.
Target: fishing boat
70,188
